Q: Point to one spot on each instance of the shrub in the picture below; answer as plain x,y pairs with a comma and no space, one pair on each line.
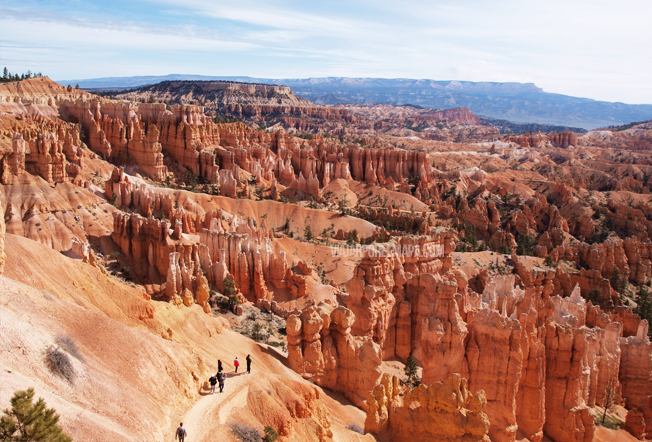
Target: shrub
67,343
308,233
259,332
270,434
245,433
27,421
355,428
59,363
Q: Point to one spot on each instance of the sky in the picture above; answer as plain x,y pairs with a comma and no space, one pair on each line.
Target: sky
587,48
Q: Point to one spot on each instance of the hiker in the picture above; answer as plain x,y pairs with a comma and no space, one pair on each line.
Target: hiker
212,381
181,433
248,364
219,366
236,364
220,378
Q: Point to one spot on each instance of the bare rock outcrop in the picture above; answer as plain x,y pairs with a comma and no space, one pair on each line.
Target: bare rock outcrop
568,361
444,411
287,404
377,291
322,348
118,131
636,367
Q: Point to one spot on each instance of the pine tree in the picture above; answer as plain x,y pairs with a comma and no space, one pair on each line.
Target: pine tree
608,400
30,422
643,304
230,292
5,73
411,372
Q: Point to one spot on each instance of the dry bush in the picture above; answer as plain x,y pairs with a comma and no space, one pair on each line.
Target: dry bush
245,433
59,363
67,343
355,427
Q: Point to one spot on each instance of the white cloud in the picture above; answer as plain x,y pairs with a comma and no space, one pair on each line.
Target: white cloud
596,48
80,35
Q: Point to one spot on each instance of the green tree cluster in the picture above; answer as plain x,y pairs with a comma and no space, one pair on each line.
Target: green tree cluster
230,293
8,76
30,422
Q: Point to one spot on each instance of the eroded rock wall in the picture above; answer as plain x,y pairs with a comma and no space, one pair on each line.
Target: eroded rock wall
444,411
322,348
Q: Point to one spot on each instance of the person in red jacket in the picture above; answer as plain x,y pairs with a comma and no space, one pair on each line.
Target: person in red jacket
236,364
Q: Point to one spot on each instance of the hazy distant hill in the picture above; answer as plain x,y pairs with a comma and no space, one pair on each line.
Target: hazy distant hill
516,102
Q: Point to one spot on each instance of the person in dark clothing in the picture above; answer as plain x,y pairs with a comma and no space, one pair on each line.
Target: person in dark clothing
181,433
248,364
212,381
219,366
220,379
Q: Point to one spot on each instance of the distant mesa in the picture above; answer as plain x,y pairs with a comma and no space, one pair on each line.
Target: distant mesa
515,102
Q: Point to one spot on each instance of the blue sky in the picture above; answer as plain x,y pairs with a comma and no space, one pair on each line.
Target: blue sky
594,48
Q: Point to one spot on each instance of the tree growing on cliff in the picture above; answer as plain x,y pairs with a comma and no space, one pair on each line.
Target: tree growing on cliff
27,421
643,304
412,377
231,293
609,398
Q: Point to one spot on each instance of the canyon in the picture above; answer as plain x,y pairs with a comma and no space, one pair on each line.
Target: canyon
513,269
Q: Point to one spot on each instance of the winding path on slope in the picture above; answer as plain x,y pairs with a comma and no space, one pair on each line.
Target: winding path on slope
212,410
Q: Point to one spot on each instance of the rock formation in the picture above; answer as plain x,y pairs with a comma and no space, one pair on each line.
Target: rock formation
636,367
504,266
322,348
377,290
445,411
